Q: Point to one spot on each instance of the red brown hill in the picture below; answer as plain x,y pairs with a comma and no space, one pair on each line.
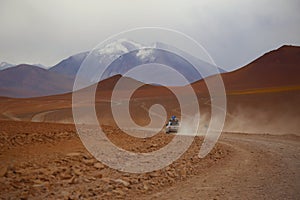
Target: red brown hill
277,68
271,79
30,81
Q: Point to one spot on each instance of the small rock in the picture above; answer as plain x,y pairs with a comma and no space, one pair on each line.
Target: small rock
92,178
88,161
40,185
145,187
171,174
99,165
65,176
125,183
86,180
74,154
77,172
3,171
72,180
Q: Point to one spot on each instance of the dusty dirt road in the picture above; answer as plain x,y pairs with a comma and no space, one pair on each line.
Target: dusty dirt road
48,161
260,167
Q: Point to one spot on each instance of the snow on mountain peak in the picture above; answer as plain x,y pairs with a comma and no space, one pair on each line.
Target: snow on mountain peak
4,65
115,49
119,47
145,53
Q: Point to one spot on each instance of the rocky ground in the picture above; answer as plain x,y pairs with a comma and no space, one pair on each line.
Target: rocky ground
48,161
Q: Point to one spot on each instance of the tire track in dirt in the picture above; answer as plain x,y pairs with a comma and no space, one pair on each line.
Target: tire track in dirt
261,167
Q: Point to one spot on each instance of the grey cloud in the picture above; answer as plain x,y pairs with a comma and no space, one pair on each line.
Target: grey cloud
234,32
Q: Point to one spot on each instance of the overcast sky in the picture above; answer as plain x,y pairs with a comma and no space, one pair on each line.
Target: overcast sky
233,31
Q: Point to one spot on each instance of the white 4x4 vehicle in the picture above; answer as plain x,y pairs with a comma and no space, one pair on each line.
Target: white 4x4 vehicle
172,126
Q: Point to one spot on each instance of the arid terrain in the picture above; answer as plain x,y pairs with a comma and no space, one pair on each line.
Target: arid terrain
40,160
256,157
48,161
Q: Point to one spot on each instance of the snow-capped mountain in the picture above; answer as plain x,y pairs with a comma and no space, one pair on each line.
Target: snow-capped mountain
5,65
119,47
274,69
122,55
70,66
114,50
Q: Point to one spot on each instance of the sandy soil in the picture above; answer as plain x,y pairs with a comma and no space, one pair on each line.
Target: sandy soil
260,167
48,161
